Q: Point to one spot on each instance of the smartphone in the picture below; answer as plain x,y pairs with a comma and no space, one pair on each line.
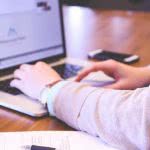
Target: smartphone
102,55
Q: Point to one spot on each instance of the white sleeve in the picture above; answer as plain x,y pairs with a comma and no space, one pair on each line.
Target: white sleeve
120,118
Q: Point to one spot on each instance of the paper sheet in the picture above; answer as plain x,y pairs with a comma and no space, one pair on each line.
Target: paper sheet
61,140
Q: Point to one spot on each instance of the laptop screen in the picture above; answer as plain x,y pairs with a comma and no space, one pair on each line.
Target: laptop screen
30,30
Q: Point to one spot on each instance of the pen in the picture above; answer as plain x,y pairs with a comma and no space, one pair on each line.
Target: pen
36,147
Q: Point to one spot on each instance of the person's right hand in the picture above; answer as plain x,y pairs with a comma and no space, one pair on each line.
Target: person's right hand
127,77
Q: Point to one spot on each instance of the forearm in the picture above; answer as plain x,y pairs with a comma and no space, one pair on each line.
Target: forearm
121,118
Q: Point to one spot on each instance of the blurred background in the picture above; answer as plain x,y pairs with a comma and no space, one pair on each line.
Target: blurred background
113,4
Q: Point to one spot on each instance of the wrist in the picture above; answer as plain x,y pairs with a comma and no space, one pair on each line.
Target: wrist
44,93
50,95
146,74
50,85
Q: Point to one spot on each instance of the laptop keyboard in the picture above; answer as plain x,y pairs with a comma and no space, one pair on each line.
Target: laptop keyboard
65,71
4,86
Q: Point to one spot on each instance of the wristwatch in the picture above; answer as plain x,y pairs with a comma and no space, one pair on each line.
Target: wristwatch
49,94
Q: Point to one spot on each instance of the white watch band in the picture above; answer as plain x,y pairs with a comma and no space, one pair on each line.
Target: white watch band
49,94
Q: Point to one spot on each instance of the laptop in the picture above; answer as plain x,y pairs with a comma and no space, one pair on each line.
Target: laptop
31,30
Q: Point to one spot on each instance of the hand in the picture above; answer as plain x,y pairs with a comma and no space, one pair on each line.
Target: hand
127,77
31,79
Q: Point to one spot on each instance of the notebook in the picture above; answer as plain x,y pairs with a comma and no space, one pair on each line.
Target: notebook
31,30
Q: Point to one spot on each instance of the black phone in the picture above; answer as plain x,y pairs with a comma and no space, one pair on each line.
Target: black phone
102,55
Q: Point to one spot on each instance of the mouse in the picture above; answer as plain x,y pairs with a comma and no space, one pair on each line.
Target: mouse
98,79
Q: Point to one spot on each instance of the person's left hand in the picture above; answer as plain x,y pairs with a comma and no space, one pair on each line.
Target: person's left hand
31,79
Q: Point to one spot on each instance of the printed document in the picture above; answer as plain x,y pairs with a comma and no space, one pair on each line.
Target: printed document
61,140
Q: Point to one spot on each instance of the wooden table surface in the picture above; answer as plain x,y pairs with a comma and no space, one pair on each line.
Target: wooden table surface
88,29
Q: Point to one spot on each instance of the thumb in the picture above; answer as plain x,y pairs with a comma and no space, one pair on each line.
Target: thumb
120,84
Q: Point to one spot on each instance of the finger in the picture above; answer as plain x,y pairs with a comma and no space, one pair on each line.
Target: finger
120,85
114,86
19,74
17,84
40,63
108,67
25,67
84,73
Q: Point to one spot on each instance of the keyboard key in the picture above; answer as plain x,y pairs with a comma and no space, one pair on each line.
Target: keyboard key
5,86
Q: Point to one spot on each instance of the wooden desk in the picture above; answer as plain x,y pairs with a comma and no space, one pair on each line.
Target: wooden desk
121,31
88,29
